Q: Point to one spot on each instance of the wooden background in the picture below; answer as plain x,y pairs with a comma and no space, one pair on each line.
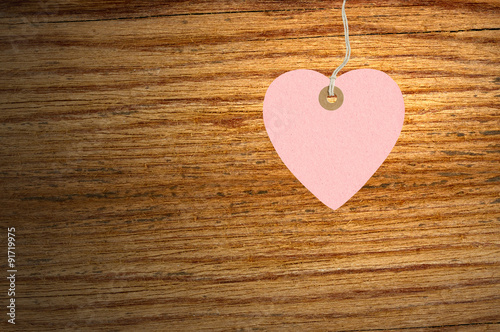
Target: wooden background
146,195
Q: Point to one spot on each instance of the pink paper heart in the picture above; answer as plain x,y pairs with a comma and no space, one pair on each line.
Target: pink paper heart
333,153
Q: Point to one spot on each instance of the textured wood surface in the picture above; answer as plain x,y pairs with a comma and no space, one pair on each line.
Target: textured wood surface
146,195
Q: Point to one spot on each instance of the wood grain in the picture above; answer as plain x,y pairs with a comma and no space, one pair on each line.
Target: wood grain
146,195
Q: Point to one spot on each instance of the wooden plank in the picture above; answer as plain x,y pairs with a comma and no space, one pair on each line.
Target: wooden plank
146,194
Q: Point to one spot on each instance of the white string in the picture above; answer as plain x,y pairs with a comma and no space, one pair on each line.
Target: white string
347,52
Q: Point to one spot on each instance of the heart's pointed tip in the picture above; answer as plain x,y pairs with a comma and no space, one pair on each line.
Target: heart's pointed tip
334,206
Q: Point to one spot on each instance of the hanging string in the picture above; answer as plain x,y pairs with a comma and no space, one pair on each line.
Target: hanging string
347,52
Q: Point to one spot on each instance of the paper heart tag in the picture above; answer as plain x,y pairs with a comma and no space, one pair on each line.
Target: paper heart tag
333,153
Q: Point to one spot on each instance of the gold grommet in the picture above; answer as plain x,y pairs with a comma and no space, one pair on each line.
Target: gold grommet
326,104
